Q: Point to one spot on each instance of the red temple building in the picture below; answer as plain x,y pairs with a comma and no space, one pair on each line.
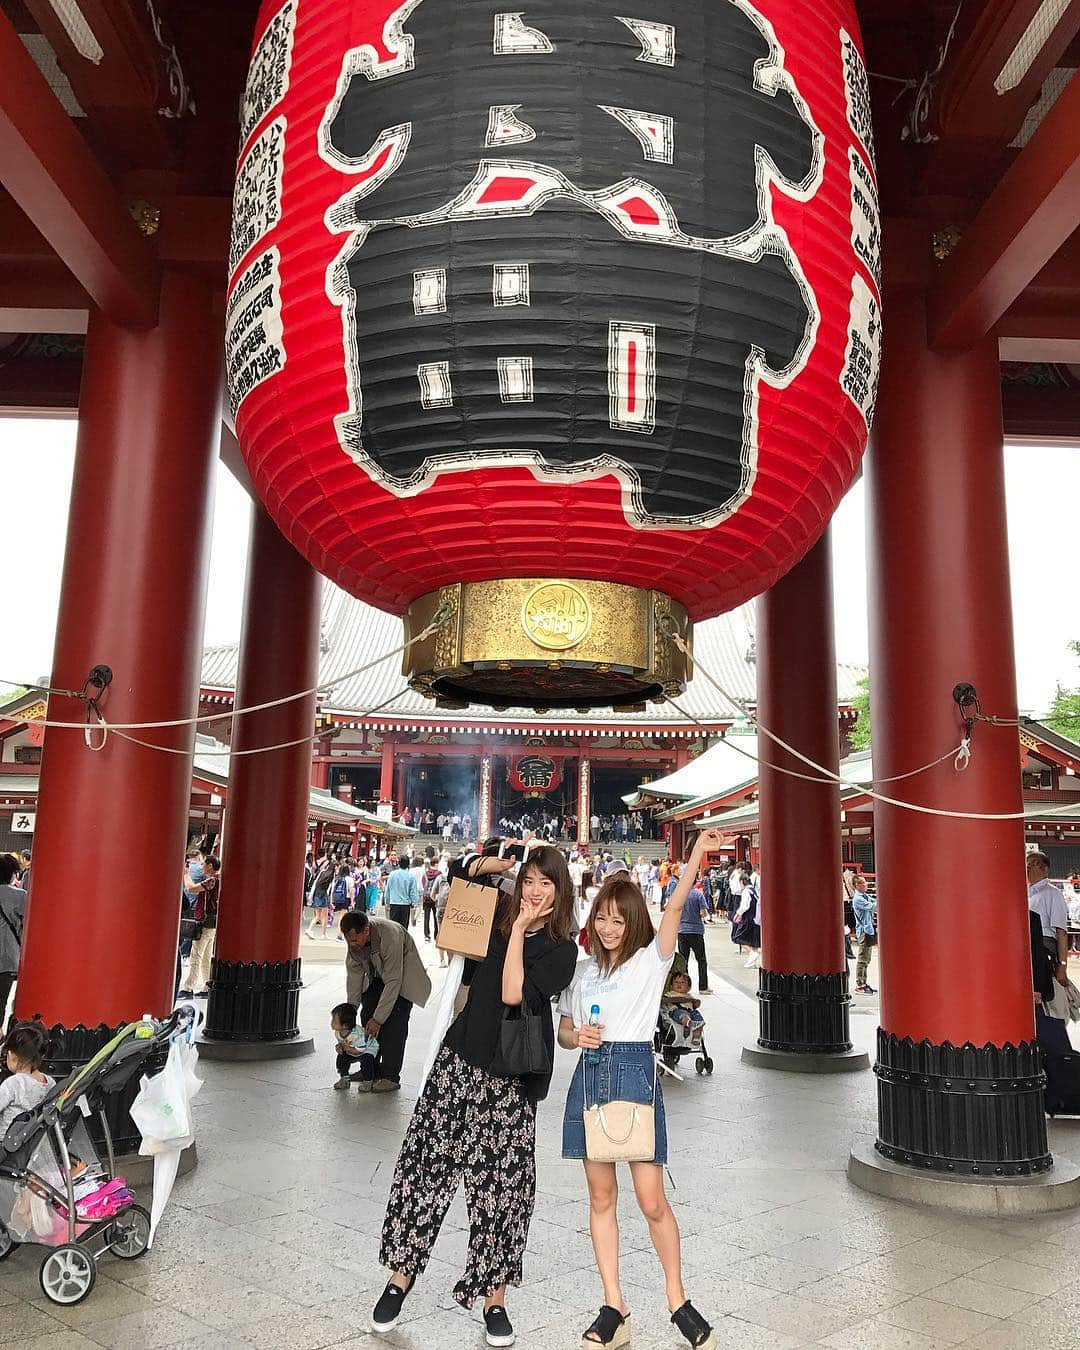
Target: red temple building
950,194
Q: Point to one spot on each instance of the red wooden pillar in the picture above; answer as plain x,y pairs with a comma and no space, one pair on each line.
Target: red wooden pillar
319,762
803,980
940,613
386,770
132,597
255,978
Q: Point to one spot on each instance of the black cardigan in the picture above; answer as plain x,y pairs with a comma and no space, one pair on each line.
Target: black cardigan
549,968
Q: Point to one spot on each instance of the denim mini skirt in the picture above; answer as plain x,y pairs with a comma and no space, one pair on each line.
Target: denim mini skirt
624,1072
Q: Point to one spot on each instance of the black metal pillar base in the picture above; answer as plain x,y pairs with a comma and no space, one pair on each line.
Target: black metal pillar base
988,1197
254,1004
961,1110
838,1061
71,1047
804,1024
240,1052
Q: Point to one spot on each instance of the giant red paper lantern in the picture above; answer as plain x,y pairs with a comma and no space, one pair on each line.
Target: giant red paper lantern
555,292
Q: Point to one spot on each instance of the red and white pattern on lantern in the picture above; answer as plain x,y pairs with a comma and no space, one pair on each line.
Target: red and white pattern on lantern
632,376
298,194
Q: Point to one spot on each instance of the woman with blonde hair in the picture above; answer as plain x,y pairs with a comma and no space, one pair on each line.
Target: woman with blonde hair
609,1013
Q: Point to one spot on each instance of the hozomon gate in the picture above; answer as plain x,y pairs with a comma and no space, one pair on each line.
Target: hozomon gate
119,132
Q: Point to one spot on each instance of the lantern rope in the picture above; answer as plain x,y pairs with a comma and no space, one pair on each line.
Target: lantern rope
962,754
955,753
441,616
232,754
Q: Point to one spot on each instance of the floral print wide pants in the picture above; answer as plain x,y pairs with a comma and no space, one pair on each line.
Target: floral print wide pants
474,1126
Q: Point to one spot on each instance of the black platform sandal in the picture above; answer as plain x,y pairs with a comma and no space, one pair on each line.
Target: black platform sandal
694,1327
610,1327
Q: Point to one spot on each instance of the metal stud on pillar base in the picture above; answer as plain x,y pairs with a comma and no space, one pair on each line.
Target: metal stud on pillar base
252,1011
804,1025
962,1109
963,1128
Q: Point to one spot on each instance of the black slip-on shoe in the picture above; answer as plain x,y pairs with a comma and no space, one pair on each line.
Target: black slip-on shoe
499,1329
385,1314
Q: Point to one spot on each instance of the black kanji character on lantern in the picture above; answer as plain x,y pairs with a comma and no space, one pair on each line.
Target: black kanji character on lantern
558,66
624,331
535,772
694,457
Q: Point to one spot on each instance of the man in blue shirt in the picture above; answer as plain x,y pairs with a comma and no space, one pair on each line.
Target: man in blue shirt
865,907
402,894
692,936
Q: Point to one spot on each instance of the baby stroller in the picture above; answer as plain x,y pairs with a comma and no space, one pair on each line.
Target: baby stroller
55,1191
673,1038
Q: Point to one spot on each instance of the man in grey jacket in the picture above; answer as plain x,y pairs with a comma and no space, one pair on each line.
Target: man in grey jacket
384,977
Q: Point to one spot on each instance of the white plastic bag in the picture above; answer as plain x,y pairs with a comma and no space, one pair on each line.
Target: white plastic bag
444,1014
162,1109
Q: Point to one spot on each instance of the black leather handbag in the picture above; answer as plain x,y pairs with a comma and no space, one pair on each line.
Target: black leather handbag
521,1050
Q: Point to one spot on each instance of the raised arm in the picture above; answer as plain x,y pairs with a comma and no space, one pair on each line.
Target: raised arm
485,866
707,841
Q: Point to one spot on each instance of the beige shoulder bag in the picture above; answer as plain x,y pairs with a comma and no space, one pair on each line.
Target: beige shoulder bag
622,1131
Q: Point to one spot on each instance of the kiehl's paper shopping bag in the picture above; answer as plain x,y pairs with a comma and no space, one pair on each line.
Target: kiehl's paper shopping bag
466,924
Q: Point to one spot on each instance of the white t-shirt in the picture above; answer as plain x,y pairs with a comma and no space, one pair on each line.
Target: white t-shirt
628,997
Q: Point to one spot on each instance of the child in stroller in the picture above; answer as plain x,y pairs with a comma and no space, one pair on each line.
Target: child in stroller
680,1027
55,1190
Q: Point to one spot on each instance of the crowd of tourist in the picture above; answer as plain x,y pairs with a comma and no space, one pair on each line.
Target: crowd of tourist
574,928
457,826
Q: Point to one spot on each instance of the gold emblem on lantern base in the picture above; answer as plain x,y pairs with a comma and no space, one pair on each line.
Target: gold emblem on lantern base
616,644
556,615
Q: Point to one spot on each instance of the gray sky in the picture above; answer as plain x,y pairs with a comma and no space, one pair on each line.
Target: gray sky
1043,486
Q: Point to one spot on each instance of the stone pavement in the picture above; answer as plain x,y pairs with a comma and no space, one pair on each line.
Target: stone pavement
272,1240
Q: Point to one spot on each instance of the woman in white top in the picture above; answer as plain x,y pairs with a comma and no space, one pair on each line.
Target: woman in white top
625,977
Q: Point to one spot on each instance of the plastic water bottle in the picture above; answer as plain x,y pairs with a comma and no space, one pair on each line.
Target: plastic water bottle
593,1056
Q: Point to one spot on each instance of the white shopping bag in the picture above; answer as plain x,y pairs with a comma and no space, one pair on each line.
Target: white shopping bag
444,1014
162,1111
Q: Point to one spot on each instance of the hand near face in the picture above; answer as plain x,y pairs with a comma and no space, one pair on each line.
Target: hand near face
533,909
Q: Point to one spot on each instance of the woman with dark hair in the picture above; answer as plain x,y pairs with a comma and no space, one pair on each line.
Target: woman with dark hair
474,1123
610,1013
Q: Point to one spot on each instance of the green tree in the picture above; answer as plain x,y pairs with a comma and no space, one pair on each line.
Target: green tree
859,736
1065,709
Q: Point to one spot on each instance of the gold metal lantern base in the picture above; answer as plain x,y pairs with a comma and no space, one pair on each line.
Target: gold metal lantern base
547,643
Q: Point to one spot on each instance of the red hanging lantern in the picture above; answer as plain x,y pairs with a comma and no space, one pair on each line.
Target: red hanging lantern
558,321
534,773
